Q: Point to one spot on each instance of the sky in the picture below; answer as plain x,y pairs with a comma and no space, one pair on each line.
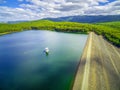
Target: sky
14,10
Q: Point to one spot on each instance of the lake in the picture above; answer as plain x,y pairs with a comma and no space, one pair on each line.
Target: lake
25,66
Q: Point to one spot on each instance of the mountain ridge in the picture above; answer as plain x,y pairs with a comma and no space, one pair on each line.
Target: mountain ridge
87,18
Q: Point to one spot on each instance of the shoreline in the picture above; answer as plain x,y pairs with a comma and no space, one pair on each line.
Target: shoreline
79,71
5,33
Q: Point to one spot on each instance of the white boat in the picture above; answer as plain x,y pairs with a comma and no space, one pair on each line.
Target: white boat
46,50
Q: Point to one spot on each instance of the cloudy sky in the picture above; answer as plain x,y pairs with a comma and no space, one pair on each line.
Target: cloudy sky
11,10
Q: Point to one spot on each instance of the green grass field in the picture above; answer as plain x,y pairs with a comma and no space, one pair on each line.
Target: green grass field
109,30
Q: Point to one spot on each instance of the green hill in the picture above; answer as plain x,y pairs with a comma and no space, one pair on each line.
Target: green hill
110,30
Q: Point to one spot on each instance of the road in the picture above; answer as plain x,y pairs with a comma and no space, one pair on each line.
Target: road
99,67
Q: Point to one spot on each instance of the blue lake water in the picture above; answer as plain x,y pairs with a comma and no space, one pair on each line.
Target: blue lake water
24,65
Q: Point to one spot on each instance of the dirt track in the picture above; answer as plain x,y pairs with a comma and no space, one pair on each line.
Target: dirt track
99,67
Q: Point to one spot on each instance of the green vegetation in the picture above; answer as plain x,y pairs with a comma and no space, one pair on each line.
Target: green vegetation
108,30
111,31
112,24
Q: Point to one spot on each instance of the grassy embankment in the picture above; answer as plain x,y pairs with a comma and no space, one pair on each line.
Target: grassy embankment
109,30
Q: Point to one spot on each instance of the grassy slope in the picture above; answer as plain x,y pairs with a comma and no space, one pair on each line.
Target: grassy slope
109,30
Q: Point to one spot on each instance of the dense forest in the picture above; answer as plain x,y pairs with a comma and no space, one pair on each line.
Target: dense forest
109,30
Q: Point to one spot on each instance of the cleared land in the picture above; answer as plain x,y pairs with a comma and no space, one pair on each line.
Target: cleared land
99,67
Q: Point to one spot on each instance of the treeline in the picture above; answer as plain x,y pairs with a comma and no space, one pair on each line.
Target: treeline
111,30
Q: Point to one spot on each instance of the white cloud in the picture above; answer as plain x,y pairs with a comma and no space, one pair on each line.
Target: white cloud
37,9
9,14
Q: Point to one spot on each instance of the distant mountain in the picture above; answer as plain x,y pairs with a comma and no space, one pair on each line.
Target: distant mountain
87,19
12,22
